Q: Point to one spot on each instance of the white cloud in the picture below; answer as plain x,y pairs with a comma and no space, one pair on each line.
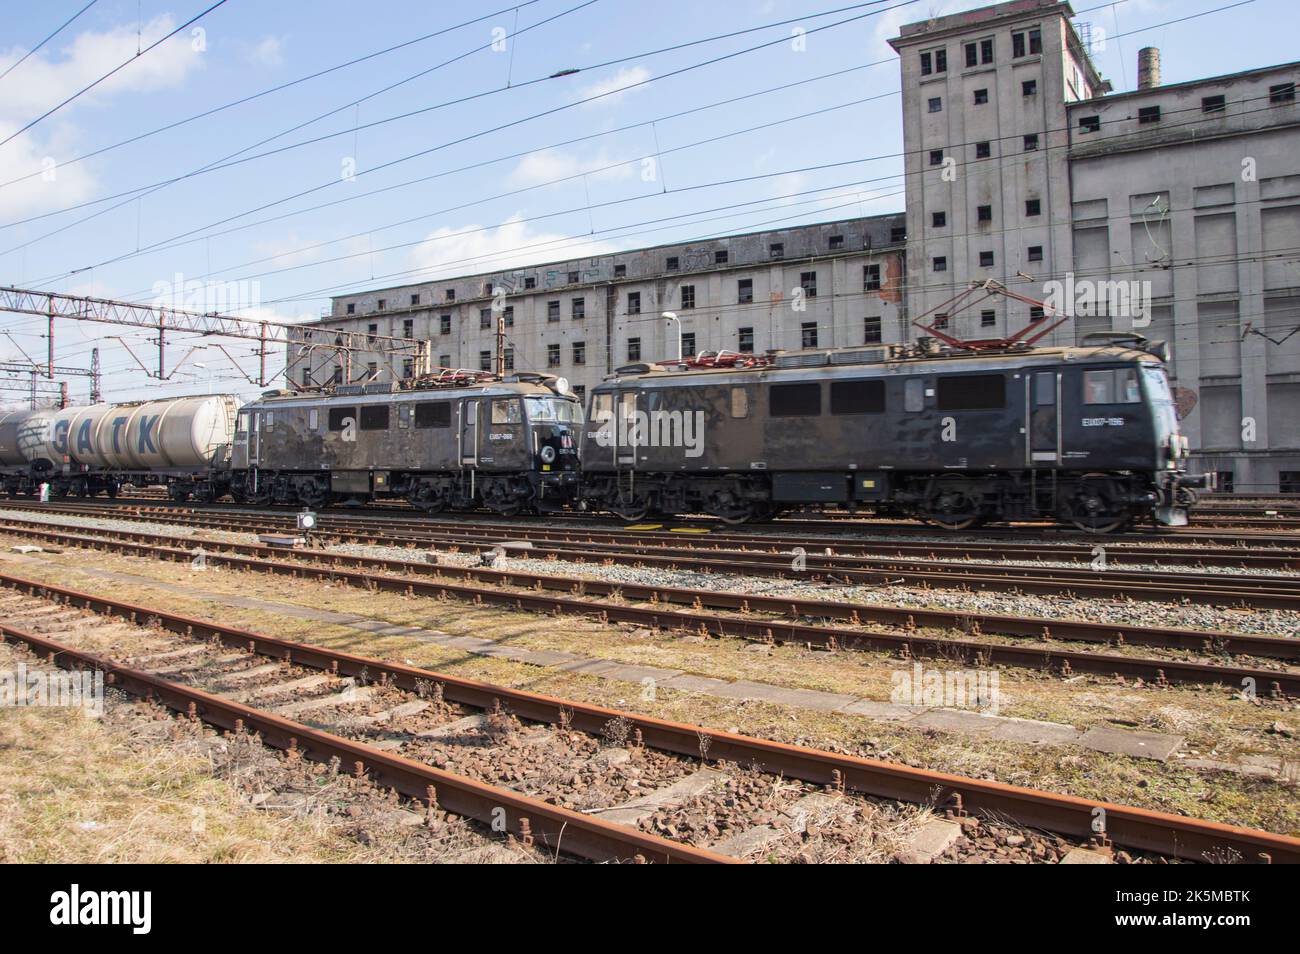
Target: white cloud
547,165
42,82
268,52
45,81
625,77
469,248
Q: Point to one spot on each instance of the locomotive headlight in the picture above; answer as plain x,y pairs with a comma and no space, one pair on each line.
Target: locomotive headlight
548,454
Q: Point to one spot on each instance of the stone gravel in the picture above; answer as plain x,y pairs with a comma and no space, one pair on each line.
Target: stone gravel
1173,613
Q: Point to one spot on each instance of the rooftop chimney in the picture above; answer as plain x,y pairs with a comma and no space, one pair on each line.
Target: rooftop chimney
1148,67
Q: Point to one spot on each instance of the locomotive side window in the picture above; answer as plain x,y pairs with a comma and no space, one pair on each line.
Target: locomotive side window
1117,386
1045,388
795,400
602,407
506,411
403,416
313,419
243,421
857,397
971,392
433,414
270,420
914,394
739,402
374,417
340,414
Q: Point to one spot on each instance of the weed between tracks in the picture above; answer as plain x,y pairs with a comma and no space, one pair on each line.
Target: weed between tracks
1216,725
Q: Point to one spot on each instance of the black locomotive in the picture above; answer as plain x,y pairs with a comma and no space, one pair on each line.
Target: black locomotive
456,440
1087,436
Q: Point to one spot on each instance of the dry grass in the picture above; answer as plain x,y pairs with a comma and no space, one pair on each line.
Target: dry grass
1216,723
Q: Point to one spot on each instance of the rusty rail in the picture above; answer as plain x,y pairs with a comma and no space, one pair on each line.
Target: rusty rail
1065,662
1082,818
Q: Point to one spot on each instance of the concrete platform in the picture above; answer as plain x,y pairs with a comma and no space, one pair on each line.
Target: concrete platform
1139,745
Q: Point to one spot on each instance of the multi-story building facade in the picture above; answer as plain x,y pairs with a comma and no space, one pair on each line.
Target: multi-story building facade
1022,165
817,286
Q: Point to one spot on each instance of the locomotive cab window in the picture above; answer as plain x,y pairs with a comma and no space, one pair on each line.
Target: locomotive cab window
340,415
553,411
374,417
433,414
795,400
971,392
506,411
270,420
739,402
857,397
914,394
313,419
243,422
1045,388
602,407
1115,386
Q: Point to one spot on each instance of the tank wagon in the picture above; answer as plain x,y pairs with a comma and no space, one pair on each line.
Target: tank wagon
183,443
1084,435
456,440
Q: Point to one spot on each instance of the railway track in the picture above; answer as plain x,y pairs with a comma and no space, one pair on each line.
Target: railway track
760,556
654,607
808,523
384,723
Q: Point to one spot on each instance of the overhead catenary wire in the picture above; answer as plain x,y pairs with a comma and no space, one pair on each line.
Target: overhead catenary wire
165,243
125,63
63,26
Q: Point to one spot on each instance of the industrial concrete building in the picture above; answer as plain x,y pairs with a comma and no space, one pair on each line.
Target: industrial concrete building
816,286
1022,165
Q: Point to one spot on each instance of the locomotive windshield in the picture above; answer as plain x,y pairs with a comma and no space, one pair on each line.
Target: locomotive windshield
1157,384
554,411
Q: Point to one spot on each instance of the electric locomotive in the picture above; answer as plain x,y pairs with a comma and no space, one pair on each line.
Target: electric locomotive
453,440
1087,436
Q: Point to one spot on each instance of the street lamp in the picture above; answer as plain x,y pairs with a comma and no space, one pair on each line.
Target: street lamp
671,316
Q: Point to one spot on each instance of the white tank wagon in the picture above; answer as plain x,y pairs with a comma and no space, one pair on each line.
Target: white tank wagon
24,438
182,442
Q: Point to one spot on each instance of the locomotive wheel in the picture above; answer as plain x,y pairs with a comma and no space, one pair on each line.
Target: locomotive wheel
734,516
631,510
427,504
261,498
1090,508
313,497
951,506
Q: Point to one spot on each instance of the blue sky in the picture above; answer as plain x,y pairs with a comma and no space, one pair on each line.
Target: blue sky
56,234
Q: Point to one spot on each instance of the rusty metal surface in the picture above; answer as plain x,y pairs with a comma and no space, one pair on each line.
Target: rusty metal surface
558,828
1061,661
1137,828
1275,647
669,551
